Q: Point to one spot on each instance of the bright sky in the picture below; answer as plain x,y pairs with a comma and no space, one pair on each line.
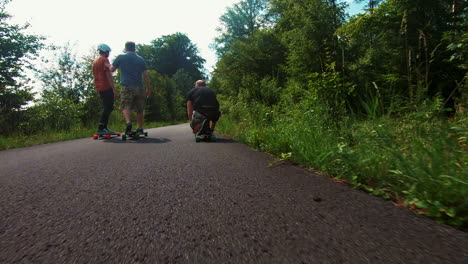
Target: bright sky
86,23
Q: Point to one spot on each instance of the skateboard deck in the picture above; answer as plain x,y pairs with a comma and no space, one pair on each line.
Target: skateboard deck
205,133
134,134
205,137
106,135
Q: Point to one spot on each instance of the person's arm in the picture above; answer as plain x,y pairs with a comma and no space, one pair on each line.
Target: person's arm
115,65
110,80
147,83
189,109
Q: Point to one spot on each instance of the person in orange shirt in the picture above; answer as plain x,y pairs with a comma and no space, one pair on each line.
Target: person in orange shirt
104,85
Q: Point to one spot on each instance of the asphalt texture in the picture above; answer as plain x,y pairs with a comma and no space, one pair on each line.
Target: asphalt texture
168,199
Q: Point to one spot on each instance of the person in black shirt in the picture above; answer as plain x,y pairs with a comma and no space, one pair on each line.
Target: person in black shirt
202,108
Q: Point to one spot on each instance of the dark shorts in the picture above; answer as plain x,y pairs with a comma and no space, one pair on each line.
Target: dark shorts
198,116
133,97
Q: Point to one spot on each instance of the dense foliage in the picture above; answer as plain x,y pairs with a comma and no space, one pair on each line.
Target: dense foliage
171,53
16,47
176,63
377,99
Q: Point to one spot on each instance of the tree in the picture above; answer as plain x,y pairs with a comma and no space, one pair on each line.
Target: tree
183,83
161,105
171,53
16,51
426,23
65,76
308,30
251,67
400,48
241,21
67,89
15,48
176,65
371,4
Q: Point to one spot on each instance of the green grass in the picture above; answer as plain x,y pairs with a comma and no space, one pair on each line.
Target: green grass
416,160
49,136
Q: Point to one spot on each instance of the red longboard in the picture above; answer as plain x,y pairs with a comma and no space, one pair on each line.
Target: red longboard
106,135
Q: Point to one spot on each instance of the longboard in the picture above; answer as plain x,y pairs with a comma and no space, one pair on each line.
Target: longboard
134,134
106,135
205,133
205,137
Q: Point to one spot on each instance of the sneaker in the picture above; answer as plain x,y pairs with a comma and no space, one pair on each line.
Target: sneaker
139,130
101,131
128,129
205,127
109,131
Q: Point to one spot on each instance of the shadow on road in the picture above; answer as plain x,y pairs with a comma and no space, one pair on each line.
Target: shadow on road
139,140
224,140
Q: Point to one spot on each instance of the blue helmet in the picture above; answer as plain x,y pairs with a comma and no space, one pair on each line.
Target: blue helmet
104,48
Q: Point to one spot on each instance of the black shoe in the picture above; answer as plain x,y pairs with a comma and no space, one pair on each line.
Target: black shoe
128,129
139,130
109,131
205,127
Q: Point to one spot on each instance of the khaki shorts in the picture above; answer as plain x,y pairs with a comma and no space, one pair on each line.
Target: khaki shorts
210,114
133,97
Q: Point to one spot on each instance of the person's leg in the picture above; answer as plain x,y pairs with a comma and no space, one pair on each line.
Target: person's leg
205,127
140,118
108,103
127,113
126,107
214,117
196,123
139,106
196,128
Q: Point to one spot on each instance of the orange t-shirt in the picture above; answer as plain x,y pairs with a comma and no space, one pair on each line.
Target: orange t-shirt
100,68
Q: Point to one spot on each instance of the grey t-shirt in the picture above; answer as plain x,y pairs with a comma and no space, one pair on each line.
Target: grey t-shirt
131,67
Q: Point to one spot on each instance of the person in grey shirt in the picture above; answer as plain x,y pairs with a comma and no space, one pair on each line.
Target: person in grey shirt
133,95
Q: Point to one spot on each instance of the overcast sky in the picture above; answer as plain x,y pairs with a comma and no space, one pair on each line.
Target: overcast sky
86,23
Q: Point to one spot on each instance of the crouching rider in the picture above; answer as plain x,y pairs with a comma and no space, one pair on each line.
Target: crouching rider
202,108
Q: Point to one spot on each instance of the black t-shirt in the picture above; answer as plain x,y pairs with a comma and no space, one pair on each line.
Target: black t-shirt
202,97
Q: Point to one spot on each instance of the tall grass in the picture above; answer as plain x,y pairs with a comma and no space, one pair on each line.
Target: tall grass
46,136
417,158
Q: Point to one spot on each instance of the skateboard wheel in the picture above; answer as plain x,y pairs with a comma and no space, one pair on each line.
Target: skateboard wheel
146,134
108,136
213,138
95,136
197,139
136,136
119,134
124,137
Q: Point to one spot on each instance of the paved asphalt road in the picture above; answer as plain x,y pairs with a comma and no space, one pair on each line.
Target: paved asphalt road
167,199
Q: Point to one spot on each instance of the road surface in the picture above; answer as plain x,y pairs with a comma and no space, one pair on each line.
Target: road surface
167,199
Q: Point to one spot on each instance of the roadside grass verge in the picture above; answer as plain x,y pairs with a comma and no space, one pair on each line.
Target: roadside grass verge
416,160
49,136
